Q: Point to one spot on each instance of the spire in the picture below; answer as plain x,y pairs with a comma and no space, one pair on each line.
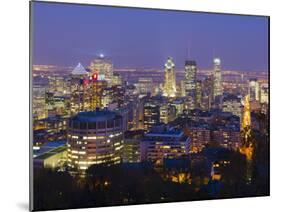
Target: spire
79,70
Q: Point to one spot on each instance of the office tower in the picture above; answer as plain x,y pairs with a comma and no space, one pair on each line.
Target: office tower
145,85
182,88
39,104
264,93
232,104
80,99
131,150
207,93
198,94
164,142
170,79
167,112
246,122
190,83
103,67
217,79
98,86
254,90
151,113
179,104
94,137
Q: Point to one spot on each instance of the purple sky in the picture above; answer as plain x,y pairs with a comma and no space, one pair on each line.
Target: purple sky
65,34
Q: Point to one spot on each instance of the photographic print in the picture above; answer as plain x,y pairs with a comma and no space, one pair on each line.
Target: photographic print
138,106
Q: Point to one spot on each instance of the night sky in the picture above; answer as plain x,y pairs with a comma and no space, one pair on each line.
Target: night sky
65,34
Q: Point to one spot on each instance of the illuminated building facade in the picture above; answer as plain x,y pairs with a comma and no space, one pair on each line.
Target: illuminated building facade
144,85
97,86
200,136
207,93
232,104
227,137
170,79
39,105
179,104
167,113
217,78
182,88
131,150
164,142
80,90
198,94
103,66
52,155
190,83
94,137
151,113
254,90
264,93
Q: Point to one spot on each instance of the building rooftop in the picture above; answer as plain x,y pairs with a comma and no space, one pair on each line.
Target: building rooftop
93,116
47,148
190,63
79,70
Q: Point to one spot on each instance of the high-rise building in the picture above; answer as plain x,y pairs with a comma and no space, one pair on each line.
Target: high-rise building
190,83
254,90
264,93
164,142
94,137
168,113
80,90
131,150
207,93
246,122
217,79
170,79
182,88
98,84
144,85
151,113
103,67
198,94
39,104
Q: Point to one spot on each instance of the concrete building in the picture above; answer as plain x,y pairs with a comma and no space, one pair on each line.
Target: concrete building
94,137
164,142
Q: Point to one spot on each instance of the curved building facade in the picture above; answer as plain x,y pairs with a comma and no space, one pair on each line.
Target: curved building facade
94,137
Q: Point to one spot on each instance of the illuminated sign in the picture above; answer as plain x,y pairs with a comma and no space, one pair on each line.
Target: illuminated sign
95,76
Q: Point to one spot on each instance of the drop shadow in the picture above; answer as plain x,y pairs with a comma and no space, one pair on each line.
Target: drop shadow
23,206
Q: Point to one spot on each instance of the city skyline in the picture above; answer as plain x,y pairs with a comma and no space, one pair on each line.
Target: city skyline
160,127
69,39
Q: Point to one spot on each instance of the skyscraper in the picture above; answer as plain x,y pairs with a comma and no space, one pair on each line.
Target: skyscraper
98,86
217,78
80,90
103,66
190,83
198,94
170,79
254,90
